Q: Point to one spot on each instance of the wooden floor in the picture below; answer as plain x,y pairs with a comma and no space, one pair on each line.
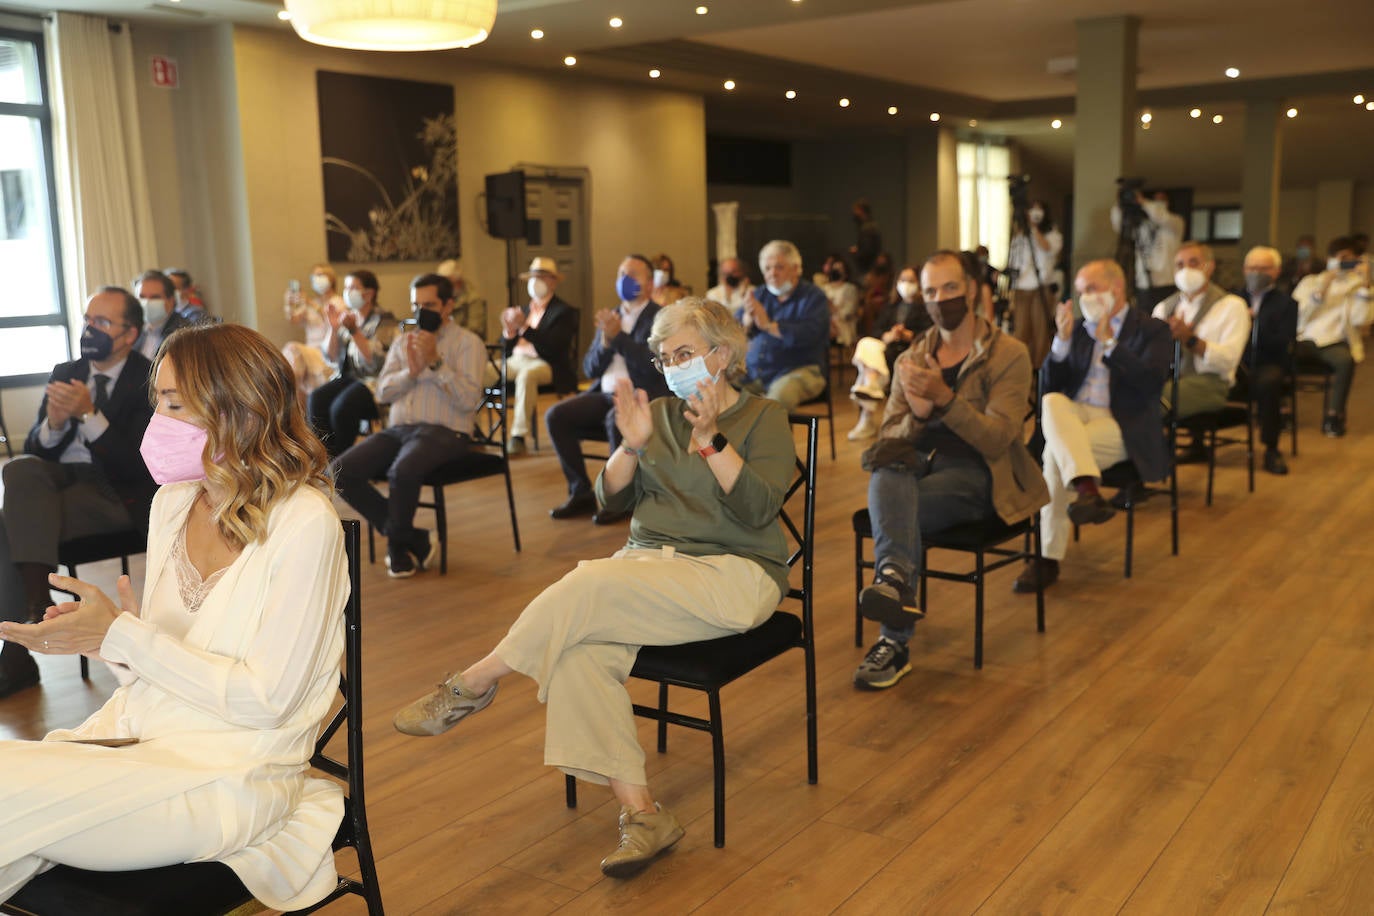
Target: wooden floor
1196,739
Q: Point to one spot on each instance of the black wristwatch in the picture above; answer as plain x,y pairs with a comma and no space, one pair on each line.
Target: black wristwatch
718,444
1191,342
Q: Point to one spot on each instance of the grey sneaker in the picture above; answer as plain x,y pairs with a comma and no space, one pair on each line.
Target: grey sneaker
643,836
438,711
890,600
884,665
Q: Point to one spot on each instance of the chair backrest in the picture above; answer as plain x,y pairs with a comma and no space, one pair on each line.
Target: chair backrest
489,424
800,526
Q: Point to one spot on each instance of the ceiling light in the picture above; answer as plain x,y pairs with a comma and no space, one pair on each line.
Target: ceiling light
1146,118
1292,112
892,109
1369,106
844,103
1145,126
536,34
729,85
616,22
702,11
1195,113
935,116
1056,124
791,93
655,73
1232,72
1217,119
382,25
283,15
1359,100
570,61
973,122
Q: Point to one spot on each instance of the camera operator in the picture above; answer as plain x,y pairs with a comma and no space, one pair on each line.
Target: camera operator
1034,249
1156,234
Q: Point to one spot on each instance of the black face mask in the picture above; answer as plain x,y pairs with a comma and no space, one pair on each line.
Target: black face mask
733,280
428,320
948,314
96,344
835,275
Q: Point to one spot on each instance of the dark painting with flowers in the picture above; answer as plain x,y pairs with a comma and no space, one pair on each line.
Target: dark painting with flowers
389,151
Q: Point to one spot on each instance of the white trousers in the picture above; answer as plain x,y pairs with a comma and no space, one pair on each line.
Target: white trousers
1080,440
871,353
528,373
579,638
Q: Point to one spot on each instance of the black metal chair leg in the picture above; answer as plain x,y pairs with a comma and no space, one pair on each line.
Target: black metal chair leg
1130,535
441,528
858,587
662,722
570,790
718,763
978,611
1039,583
1211,462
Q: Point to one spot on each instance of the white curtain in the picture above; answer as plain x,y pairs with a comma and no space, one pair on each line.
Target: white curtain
102,188
984,200
727,228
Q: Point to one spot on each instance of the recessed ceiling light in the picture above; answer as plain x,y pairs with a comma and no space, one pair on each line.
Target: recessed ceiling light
616,22
284,15
1232,72
655,73
791,93
844,103
892,109
1146,118
570,61
702,11
1056,124
1195,113
729,85
935,116
1369,106
536,34
972,122
1292,112
1359,100
1217,119
1145,126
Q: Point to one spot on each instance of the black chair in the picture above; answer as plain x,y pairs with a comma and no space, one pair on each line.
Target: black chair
485,458
211,887
826,399
1212,426
982,539
1309,375
711,664
95,548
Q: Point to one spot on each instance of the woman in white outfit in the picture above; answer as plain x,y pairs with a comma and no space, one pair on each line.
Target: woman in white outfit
227,669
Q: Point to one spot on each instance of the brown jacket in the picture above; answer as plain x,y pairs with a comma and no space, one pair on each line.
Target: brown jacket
991,399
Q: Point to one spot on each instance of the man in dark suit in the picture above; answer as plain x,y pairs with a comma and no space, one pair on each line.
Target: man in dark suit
537,338
82,473
1274,329
1102,382
620,350
162,313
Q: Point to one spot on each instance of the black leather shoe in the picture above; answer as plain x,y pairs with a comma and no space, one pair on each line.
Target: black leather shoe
1047,571
18,675
1090,509
1274,463
578,504
1333,427
606,517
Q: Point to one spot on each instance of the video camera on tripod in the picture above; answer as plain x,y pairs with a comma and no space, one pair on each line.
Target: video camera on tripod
1018,186
1128,198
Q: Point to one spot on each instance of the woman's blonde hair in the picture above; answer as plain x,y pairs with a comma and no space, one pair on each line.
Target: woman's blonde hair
259,447
328,271
712,320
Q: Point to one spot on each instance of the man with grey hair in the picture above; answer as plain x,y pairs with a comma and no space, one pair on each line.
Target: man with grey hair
788,322
1269,353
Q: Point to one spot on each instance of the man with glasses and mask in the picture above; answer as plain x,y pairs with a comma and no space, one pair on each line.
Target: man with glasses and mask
432,378
1102,380
949,451
82,473
157,292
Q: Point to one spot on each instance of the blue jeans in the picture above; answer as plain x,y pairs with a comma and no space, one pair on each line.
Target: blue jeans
902,507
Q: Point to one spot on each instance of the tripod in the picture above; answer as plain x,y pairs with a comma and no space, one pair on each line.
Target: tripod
1127,254
1020,227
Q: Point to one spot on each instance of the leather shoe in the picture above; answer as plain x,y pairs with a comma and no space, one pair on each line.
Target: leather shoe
607,517
644,835
1045,570
1274,463
18,675
1090,509
577,504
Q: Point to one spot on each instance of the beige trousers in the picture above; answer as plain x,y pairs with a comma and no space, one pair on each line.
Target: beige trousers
1080,440
528,373
1034,314
578,639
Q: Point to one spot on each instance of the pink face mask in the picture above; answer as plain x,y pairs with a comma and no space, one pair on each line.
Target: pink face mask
172,450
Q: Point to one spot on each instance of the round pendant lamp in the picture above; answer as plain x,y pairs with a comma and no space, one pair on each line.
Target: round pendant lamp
393,25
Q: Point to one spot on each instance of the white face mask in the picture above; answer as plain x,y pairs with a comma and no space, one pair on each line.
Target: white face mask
538,287
1333,263
908,290
782,289
1190,280
660,278
1036,215
1096,306
320,284
353,298
154,310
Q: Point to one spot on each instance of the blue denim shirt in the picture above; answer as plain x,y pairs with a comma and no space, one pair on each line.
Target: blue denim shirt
804,325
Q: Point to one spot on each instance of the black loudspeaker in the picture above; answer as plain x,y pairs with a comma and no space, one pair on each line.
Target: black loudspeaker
506,205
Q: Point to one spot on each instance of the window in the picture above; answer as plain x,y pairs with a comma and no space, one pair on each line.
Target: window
1216,224
984,201
33,323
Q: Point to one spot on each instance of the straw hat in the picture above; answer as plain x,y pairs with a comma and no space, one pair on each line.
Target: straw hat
542,266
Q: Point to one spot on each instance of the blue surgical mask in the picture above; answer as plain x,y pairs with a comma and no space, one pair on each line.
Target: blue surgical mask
1304,252
782,289
96,344
627,288
684,380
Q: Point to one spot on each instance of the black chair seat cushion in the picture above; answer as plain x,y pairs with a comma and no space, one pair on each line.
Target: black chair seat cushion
106,546
1232,415
472,466
715,662
1121,474
970,536
176,890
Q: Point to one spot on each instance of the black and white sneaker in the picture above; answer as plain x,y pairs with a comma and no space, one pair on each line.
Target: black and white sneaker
890,600
884,665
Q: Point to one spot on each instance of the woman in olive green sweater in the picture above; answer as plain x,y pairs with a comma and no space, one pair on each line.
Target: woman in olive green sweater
705,474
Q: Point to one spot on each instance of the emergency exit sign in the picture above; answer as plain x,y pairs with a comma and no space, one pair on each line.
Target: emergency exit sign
165,73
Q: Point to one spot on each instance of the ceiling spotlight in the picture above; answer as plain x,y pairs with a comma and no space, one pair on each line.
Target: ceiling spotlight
1056,124
536,34
1217,119
1369,106
1292,112
1359,100
935,116
790,94
973,122
655,73
570,61
616,22
844,103
702,11
1195,113
892,109
1232,72
1146,118
284,15
729,85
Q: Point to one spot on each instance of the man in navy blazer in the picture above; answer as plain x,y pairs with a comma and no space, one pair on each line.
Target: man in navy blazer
1102,382
1269,354
619,350
82,473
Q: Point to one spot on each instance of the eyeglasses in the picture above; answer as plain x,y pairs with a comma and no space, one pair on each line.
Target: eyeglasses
103,324
677,358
